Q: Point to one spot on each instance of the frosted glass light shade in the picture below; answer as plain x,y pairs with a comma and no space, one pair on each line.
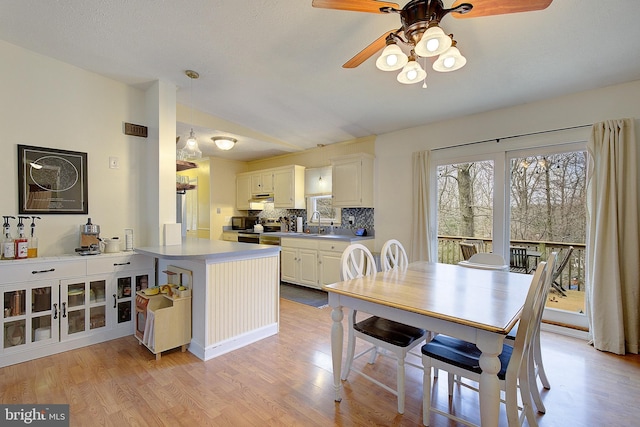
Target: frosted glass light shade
450,60
392,58
412,73
433,42
224,143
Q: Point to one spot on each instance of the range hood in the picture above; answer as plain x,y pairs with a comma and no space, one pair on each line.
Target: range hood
261,198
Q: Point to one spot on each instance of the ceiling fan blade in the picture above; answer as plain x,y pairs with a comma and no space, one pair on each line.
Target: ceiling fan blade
371,6
499,7
368,51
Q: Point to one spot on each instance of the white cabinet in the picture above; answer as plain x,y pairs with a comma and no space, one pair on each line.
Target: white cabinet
243,191
262,182
329,257
286,184
352,181
230,236
313,262
288,189
56,304
299,261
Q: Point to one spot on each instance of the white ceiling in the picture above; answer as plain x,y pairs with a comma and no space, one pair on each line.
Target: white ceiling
275,66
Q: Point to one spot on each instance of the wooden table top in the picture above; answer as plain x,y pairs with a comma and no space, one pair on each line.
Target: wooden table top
485,299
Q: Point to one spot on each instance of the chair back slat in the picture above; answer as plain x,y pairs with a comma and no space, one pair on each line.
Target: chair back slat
357,261
468,250
393,255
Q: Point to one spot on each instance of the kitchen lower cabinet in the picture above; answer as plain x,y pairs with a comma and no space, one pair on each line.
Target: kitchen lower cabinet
57,304
299,264
313,262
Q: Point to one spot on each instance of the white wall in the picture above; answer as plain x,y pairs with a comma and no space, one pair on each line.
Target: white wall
393,213
48,103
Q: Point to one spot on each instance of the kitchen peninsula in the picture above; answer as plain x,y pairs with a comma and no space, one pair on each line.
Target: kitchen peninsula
235,293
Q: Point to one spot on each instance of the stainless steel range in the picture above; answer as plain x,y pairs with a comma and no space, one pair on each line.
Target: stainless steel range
264,238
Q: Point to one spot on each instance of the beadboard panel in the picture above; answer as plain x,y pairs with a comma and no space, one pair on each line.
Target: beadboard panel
246,294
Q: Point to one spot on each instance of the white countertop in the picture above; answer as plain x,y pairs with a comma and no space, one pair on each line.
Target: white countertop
209,250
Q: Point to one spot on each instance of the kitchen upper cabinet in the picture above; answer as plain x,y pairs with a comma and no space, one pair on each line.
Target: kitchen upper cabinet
262,182
285,183
352,181
289,187
243,191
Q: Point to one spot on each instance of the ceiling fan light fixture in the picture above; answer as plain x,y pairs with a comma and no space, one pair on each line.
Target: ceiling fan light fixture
392,58
412,73
450,60
434,41
224,143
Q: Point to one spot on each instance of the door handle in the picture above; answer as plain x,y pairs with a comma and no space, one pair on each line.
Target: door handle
114,300
121,263
64,309
55,311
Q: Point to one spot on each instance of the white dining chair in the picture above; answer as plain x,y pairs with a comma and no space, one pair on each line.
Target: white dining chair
462,359
393,255
536,367
486,261
396,338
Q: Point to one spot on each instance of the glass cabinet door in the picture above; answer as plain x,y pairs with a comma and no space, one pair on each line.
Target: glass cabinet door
30,315
74,301
124,299
97,304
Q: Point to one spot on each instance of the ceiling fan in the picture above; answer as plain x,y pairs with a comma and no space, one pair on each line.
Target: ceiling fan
420,31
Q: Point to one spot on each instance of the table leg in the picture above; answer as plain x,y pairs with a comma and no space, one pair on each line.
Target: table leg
491,346
337,334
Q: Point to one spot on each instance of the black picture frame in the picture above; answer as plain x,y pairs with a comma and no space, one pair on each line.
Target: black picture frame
52,181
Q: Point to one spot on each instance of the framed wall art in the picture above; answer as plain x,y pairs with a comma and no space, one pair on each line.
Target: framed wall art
52,181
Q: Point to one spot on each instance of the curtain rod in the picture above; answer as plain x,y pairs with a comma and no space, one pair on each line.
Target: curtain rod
497,140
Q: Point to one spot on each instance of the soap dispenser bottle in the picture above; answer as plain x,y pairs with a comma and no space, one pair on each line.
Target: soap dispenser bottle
32,251
8,245
22,242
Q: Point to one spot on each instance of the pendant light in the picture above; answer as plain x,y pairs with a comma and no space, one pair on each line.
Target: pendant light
191,147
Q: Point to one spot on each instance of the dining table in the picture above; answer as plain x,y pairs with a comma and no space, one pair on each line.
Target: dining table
478,306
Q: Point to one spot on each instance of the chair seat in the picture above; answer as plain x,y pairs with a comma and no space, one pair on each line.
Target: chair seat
463,354
395,333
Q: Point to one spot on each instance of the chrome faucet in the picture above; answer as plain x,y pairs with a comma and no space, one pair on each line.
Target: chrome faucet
313,215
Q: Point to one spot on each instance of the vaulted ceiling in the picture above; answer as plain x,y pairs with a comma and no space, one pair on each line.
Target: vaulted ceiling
274,67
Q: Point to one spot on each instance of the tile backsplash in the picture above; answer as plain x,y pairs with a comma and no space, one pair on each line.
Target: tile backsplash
363,216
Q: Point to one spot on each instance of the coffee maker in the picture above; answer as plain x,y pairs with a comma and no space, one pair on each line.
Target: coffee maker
89,237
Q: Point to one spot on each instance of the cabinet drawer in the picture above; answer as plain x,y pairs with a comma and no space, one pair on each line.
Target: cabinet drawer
303,243
333,246
110,264
54,269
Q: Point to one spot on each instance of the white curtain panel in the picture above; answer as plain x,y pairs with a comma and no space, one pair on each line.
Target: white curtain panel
421,234
613,242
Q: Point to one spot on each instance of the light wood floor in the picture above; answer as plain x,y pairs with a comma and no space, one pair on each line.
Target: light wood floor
286,380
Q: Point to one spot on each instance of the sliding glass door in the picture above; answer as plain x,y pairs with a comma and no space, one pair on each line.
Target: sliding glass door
530,200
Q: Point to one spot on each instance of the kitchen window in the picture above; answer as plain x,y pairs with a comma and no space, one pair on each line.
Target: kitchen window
324,206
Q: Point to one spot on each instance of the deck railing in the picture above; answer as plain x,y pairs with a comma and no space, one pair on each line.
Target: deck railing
572,276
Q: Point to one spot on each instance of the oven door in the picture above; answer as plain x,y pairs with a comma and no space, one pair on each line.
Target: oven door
249,238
